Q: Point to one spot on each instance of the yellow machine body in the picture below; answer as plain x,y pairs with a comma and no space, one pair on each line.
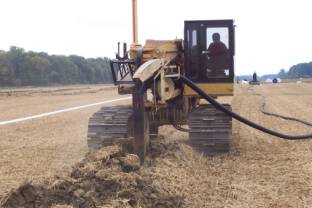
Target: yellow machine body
213,89
168,50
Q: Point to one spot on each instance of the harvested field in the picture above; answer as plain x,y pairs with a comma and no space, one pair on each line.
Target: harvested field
260,170
47,146
16,103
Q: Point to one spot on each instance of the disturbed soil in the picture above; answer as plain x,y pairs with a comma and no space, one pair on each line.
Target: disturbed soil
259,171
110,177
41,148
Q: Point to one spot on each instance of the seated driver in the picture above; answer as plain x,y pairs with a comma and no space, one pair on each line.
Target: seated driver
216,47
217,57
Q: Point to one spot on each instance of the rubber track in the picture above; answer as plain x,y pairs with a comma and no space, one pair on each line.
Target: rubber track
108,126
210,129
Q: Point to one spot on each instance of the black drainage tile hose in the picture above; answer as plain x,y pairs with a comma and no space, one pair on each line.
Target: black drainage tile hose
262,109
234,115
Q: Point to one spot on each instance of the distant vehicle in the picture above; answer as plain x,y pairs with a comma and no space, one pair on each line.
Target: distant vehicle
276,80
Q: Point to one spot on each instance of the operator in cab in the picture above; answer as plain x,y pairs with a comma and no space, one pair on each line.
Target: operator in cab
217,47
217,60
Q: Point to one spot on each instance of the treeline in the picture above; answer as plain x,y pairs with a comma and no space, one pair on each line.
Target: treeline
303,70
20,68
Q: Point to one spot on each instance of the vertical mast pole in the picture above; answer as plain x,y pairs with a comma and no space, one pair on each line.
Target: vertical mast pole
134,21
140,117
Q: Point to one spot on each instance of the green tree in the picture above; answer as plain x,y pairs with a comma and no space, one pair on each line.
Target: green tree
18,67
282,74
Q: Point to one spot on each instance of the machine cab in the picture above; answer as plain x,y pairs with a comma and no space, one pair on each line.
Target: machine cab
209,51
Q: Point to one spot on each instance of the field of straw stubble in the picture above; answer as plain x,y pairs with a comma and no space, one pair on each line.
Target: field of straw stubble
259,171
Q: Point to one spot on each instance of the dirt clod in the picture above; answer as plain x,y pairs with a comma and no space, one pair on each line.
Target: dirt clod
107,178
130,163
